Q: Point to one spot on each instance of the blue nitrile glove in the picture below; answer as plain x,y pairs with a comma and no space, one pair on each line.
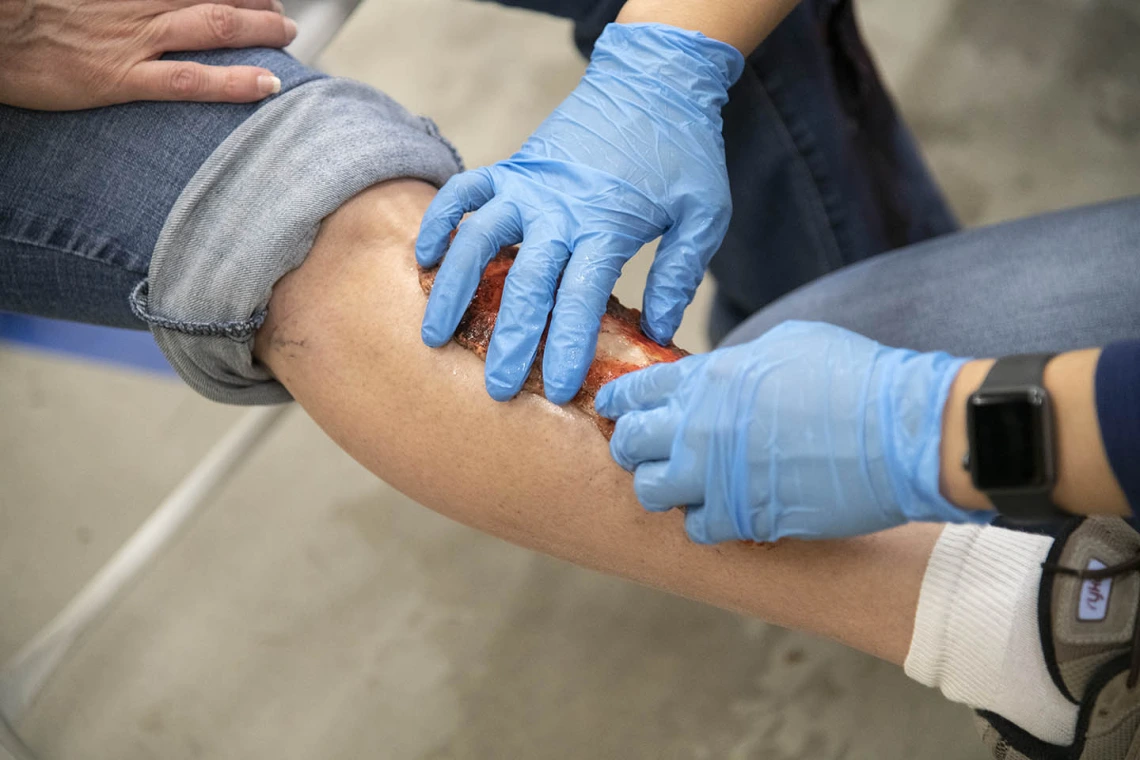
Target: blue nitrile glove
809,431
634,153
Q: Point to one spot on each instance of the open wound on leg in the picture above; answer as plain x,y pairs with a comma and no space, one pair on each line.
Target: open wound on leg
622,346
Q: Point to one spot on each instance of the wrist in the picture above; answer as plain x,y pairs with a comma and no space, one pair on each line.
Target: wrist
742,25
672,55
954,480
911,389
1085,483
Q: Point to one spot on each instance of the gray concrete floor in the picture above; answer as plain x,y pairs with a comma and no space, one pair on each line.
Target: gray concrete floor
314,612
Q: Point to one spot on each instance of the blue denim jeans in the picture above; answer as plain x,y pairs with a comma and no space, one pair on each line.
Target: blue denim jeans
84,194
180,217
1051,283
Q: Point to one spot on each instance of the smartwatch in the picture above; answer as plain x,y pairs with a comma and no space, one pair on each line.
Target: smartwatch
1009,425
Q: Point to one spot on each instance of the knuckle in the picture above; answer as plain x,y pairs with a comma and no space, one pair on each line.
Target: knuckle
528,273
223,21
483,231
232,85
186,81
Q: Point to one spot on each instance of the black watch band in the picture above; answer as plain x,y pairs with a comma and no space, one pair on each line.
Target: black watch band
1022,373
1027,507
1017,372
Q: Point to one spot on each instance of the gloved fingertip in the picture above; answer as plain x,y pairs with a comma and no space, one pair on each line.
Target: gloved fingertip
500,389
559,393
426,253
660,316
649,489
432,336
603,400
622,462
660,331
500,393
432,330
644,487
657,508
432,240
696,528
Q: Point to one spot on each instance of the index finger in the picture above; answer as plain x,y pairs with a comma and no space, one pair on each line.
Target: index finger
462,193
478,240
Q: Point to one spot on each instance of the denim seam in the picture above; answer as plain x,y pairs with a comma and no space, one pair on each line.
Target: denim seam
122,258
213,268
808,153
239,331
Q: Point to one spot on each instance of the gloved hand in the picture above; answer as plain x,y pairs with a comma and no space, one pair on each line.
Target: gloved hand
809,431
635,152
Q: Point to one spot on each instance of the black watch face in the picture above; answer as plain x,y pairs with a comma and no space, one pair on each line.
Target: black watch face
1007,443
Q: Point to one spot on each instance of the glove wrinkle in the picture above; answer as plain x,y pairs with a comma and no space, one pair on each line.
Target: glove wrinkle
636,150
809,431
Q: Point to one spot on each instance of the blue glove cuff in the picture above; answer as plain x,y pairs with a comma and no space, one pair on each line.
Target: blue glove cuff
913,389
681,58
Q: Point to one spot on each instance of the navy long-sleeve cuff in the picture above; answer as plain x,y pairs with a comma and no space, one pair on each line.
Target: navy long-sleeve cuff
1118,410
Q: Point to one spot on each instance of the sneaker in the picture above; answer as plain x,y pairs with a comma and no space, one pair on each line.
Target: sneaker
1087,613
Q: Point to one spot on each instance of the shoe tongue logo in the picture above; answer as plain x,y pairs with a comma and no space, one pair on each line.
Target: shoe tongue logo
1094,595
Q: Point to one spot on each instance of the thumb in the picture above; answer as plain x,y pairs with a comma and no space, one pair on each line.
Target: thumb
677,270
645,388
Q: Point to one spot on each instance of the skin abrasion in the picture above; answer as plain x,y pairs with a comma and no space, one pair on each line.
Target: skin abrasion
622,346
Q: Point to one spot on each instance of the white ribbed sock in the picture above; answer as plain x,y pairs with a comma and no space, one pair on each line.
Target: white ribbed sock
975,632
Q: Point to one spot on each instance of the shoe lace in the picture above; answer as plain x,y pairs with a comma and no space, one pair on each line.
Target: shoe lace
1121,568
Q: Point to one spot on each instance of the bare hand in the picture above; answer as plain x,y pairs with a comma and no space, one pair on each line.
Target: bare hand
62,55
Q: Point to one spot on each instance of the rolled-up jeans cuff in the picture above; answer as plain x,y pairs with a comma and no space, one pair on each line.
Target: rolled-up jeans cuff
250,214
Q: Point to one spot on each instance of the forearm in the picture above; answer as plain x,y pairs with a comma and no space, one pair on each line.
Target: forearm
343,336
1085,480
741,23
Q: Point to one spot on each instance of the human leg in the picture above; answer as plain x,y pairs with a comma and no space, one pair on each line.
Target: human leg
824,171
1055,282
342,335
224,228
539,477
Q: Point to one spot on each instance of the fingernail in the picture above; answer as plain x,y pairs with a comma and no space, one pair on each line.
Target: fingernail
277,6
291,28
268,85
